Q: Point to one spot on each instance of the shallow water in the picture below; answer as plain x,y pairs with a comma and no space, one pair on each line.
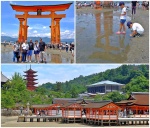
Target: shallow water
6,57
97,41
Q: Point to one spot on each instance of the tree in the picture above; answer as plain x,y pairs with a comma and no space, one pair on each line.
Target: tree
98,97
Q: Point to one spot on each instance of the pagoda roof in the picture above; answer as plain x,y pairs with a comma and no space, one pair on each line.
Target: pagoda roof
31,82
30,71
44,8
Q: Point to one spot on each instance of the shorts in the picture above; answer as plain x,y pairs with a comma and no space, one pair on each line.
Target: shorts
29,53
42,54
122,21
36,52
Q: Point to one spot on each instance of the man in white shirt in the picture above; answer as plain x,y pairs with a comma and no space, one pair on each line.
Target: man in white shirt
25,48
122,18
137,29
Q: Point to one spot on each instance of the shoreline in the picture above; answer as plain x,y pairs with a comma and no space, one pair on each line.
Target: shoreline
12,122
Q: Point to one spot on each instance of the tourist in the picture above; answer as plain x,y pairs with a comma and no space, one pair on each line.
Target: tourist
67,46
31,48
25,48
122,18
60,47
42,47
143,5
137,29
16,51
134,4
36,51
147,5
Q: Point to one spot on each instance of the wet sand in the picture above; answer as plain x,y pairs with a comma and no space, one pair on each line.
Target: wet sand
12,122
53,56
139,52
98,43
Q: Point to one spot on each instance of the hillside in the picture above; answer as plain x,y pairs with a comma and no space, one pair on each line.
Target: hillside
45,39
136,78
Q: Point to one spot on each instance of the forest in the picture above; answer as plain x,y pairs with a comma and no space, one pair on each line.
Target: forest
136,78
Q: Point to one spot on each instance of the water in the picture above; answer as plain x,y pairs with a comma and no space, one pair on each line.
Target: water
96,38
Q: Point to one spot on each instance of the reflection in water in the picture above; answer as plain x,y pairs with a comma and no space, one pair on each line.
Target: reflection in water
6,57
99,43
56,58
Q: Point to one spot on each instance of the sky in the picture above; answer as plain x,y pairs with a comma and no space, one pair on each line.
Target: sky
38,27
59,73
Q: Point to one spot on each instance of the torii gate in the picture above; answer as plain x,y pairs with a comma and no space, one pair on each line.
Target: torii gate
55,18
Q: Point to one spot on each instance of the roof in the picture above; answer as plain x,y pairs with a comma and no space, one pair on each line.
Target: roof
3,78
66,100
41,105
107,82
137,98
97,104
33,8
30,71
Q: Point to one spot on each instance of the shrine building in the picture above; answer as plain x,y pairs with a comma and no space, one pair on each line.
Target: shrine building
104,87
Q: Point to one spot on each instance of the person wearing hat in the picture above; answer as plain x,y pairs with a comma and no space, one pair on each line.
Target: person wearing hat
136,28
122,18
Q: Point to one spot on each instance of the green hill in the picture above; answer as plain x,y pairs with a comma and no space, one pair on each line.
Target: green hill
136,78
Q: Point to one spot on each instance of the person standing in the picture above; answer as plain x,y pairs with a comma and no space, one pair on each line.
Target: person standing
134,4
16,51
36,51
29,54
25,48
67,46
42,47
122,18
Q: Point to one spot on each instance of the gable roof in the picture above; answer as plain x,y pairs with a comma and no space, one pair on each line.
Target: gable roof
106,82
3,78
137,98
97,104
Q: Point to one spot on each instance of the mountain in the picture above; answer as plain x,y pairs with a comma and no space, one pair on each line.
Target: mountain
45,39
136,78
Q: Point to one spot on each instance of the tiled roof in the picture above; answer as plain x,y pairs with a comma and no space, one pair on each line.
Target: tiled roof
97,104
106,82
138,98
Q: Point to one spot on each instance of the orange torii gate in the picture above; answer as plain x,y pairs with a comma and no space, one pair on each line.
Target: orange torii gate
55,18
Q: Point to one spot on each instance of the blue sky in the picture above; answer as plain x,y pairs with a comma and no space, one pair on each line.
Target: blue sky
37,26
61,73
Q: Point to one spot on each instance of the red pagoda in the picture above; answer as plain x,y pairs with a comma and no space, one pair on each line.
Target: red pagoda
30,77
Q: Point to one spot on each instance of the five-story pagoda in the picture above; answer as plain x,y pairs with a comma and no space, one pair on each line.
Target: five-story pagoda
30,78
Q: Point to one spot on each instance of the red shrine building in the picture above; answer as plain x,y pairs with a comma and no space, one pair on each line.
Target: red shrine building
30,78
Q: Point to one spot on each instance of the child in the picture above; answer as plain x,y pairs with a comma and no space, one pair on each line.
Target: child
136,28
122,18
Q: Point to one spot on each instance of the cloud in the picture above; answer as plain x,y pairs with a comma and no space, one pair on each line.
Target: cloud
30,28
67,34
44,27
3,34
34,31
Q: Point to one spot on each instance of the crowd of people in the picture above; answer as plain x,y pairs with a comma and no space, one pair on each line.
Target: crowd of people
110,4
63,46
23,52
